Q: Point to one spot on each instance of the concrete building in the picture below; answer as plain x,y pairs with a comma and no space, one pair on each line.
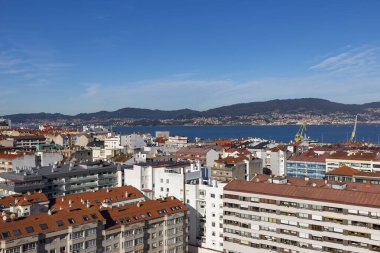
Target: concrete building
27,141
360,160
61,180
162,134
348,174
278,214
180,141
151,226
241,167
205,203
205,155
132,142
5,124
10,161
161,179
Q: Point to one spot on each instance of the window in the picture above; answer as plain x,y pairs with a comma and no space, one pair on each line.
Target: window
77,235
43,226
29,246
139,241
90,243
6,234
85,218
128,244
78,246
13,250
16,232
94,216
212,195
71,220
29,229
91,231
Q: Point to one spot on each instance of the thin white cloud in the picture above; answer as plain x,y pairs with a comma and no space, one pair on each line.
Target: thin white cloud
362,59
30,66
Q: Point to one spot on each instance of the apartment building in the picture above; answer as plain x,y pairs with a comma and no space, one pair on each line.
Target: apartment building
64,179
161,179
348,174
28,141
282,214
308,164
151,226
205,155
5,124
205,202
241,167
360,160
10,161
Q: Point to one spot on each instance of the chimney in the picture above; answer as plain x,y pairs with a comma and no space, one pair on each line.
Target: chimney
126,194
50,212
307,178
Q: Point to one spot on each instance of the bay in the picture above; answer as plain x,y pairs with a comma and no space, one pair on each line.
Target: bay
286,133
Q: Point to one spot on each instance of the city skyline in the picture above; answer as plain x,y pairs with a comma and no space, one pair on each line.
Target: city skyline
93,56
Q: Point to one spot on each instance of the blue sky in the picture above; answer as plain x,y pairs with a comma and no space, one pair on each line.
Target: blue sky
84,56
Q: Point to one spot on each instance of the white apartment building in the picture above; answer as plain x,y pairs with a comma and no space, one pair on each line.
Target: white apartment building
205,202
161,179
183,180
300,215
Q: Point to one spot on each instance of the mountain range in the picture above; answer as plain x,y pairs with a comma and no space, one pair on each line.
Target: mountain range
286,106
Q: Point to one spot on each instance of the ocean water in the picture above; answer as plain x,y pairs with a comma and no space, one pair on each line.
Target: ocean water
323,133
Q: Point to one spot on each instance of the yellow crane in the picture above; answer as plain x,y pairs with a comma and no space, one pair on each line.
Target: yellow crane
352,138
300,133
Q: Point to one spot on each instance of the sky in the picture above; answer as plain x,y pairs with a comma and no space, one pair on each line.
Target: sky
85,56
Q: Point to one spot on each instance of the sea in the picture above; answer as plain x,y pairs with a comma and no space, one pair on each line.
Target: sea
286,133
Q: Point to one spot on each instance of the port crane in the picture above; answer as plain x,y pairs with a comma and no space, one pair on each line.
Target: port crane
300,134
352,138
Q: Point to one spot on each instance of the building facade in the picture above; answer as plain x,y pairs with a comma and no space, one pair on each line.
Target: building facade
151,226
297,215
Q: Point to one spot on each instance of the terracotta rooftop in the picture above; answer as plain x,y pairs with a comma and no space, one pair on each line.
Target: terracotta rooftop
348,171
96,198
309,156
198,150
313,189
22,199
356,155
29,137
231,159
343,171
142,211
44,223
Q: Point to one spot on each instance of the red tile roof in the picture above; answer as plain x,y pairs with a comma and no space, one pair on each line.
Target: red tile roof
356,155
142,211
23,199
309,156
344,171
231,159
79,216
113,195
317,190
